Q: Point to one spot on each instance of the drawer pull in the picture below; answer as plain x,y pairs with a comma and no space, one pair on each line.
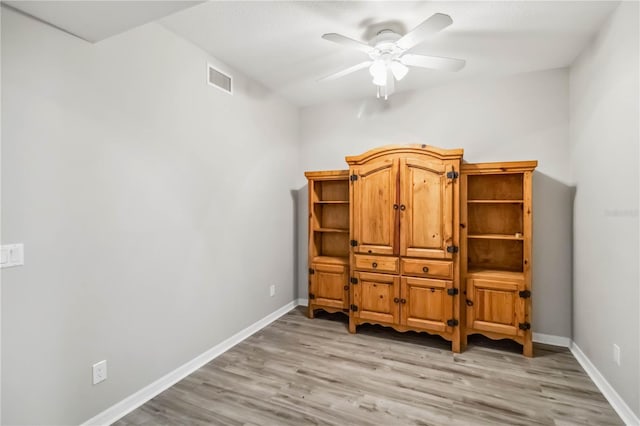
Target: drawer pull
403,300
402,207
425,269
395,207
374,264
396,300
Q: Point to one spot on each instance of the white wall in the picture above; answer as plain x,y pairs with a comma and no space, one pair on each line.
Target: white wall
523,117
605,135
155,212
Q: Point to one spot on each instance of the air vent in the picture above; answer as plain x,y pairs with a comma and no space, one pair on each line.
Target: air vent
218,79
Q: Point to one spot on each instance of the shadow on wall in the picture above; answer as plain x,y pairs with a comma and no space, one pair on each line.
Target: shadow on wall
301,233
552,252
371,107
552,255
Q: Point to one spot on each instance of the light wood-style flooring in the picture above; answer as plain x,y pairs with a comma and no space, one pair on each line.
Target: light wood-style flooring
299,371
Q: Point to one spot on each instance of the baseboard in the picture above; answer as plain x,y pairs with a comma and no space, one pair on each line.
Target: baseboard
618,404
124,407
302,302
550,339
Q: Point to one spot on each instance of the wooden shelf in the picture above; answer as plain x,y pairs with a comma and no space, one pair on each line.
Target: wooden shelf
495,201
494,273
496,237
331,259
331,202
338,230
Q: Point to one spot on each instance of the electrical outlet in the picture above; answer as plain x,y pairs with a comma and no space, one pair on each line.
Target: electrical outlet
616,354
272,290
99,372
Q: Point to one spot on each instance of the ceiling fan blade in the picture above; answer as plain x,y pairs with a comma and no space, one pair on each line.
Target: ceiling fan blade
433,62
432,25
349,70
348,42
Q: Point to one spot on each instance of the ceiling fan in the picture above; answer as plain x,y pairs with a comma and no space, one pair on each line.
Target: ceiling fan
388,57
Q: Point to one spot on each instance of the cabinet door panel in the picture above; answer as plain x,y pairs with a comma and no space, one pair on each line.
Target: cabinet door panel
329,285
495,305
374,217
426,304
375,295
426,210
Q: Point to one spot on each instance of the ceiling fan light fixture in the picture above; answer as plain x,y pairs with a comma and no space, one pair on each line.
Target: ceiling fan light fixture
379,72
380,80
399,70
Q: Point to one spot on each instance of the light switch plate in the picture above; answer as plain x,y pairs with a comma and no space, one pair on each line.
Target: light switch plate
11,255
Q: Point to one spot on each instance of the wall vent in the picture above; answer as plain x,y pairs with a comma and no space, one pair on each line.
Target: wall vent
217,78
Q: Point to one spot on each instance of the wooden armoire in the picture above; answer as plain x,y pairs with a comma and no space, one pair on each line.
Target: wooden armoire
411,238
404,235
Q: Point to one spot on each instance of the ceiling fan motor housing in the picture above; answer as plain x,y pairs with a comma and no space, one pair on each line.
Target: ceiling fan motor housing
385,45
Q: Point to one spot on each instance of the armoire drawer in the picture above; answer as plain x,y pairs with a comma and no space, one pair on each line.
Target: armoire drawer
376,263
427,268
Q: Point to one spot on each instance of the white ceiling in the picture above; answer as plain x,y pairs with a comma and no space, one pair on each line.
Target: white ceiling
96,20
278,42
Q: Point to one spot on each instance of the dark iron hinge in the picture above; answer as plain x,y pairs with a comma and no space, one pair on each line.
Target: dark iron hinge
452,322
354,308
525,294
312,296
452,291
524,326
452,175
354,280
311,271
353,243
452,249
353,177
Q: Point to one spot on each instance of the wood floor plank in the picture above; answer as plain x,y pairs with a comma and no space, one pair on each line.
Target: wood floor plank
299,371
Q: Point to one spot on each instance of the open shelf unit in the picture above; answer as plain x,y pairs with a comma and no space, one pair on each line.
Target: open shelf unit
494,221
328,240
495,251
329,217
